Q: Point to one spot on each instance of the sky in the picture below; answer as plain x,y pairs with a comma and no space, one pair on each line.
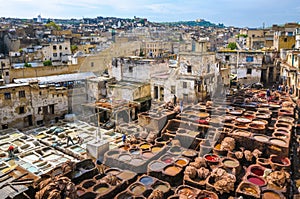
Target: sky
240,13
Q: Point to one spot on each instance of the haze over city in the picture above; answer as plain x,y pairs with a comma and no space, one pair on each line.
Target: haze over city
230,12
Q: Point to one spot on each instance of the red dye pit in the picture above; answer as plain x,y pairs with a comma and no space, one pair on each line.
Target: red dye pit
256,181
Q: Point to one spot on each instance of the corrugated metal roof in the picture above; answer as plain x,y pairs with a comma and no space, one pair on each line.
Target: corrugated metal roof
57,78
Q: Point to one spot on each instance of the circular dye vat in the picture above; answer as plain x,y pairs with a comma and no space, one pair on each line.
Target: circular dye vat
270,194
101,189
136,161
181,162
138,189
188,192
125,148
231,163
278,141
167,159
189,153
147,180
249,190
211,158
175,150
125,157
256,180
134,151
157,166
257,171
162,187
125,175
145,146
261,138
148,155
172,170
156,149
112,172
280,160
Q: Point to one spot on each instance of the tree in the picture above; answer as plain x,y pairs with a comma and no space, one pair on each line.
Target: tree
232,46
47,63
74,48
53,25
27,65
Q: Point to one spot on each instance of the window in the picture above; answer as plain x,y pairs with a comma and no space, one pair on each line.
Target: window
51,108
21,110
39,122
173,88
185,97
60,47
7,96
4,126
21,94
208,68
249,59
6,73
92,64
249,71
189,69
66,48
54,54
39,110
285,39
54,47
184,85
40,92
130,69
227,58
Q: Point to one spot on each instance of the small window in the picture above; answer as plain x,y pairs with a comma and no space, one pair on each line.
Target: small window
92,64
60,47
21,94
173,88
130,69
184,85
54,47
7,96
249,59
227,58
21,110
40,93
249,71
4,126
66,48
39,110
6,73
185,97
189,69
285,39
39,122
54,54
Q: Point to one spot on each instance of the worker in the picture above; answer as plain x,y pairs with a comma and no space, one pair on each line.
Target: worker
124,138
69,139
11,150
175,100
80,140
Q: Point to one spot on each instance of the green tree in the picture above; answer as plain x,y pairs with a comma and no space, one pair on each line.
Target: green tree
74,48
232,46
47,63
53,25
27,65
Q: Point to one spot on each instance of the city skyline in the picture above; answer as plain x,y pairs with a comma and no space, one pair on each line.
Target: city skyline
253,13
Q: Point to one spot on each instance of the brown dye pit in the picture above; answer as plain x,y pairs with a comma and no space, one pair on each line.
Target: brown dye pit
189,193
270,194
138,189
250,190
172,170
218,147
126,175
101,189
162,187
